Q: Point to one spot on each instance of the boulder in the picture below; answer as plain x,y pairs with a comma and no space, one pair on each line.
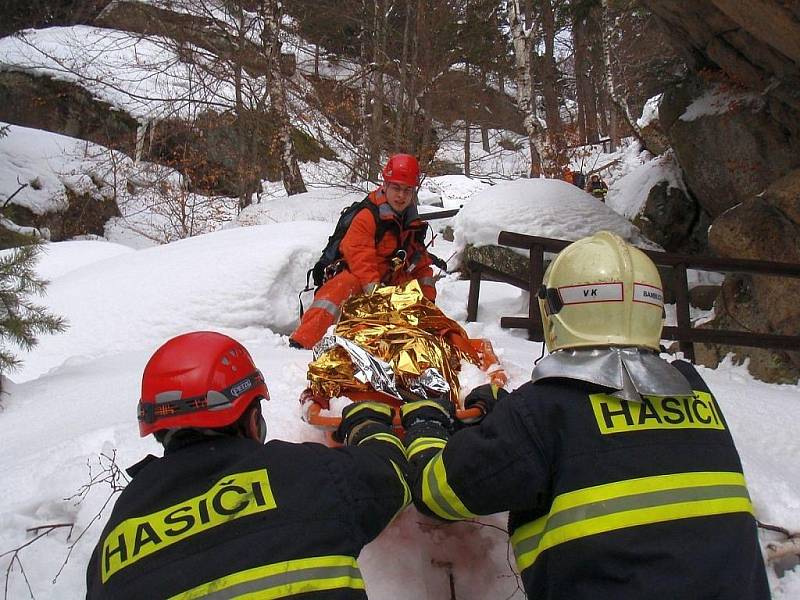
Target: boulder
673,220
703,296
498,257
762,228
732,153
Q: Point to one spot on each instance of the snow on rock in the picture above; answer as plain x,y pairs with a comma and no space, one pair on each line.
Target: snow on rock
541,207
47,163
717,101
649,111
628,194
178,287
139,75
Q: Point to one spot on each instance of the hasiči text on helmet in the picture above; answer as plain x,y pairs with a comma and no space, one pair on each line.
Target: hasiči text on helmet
232,497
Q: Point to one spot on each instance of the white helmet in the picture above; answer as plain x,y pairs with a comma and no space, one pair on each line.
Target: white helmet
601,291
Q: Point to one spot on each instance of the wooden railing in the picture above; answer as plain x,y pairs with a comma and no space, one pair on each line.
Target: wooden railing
684,333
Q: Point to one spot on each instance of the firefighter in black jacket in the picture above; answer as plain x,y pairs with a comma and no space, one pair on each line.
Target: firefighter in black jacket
222,515
618,468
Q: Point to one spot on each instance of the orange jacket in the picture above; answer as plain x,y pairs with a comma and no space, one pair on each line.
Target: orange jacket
371,262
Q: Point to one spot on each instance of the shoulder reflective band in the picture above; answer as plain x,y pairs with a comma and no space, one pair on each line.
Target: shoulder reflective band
438,495
232,497
283,579
630,503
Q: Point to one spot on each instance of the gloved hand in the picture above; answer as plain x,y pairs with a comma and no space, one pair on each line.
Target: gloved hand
485,397
436,412
360,419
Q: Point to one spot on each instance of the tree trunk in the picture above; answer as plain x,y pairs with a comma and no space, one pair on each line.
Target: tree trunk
618,102
290,171
523,46
361,167
400,102
378,59
484,129
411,111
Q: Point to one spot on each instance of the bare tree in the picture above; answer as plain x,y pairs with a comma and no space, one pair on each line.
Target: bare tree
523,43
272,14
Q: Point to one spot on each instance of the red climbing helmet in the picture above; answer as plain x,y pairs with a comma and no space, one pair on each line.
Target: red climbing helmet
201,379
402,168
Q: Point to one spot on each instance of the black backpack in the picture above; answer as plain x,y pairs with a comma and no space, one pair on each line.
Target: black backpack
331,253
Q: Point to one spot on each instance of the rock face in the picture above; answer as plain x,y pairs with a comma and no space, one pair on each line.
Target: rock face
84,214
741,162
756,44
728,157
65,108
762,228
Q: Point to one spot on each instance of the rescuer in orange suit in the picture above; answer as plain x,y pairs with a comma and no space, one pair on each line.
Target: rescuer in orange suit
384,245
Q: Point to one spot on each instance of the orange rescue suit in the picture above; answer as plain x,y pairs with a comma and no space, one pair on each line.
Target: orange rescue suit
370,263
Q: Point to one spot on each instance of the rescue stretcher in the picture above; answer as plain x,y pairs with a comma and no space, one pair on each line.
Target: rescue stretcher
357,320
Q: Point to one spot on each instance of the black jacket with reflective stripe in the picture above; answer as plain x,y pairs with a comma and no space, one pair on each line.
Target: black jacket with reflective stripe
260,516
606,499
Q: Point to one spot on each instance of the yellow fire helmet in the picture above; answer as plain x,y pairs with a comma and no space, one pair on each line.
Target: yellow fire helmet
601,291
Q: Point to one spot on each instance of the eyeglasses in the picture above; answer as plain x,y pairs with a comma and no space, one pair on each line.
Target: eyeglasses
400,189
167,405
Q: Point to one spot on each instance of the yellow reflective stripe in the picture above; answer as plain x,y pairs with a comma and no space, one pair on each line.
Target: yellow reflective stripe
424,443
386,437
282,579
376,406
630,503
412,406
406,489
437,494
641,485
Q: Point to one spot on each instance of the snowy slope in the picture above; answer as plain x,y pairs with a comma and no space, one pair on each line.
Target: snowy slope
75,399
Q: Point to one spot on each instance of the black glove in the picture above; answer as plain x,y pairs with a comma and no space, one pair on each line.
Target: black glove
485,397
361,419
433,412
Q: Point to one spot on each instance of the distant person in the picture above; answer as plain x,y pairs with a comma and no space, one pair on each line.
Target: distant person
384,245
222,515
579,179
597,187
618,468
568,175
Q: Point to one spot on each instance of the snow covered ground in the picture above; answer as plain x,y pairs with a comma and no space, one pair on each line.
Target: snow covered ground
73,402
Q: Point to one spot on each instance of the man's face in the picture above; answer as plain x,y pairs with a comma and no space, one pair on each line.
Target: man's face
399,196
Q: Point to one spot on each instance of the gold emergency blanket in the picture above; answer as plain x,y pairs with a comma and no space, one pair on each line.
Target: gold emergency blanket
397,325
